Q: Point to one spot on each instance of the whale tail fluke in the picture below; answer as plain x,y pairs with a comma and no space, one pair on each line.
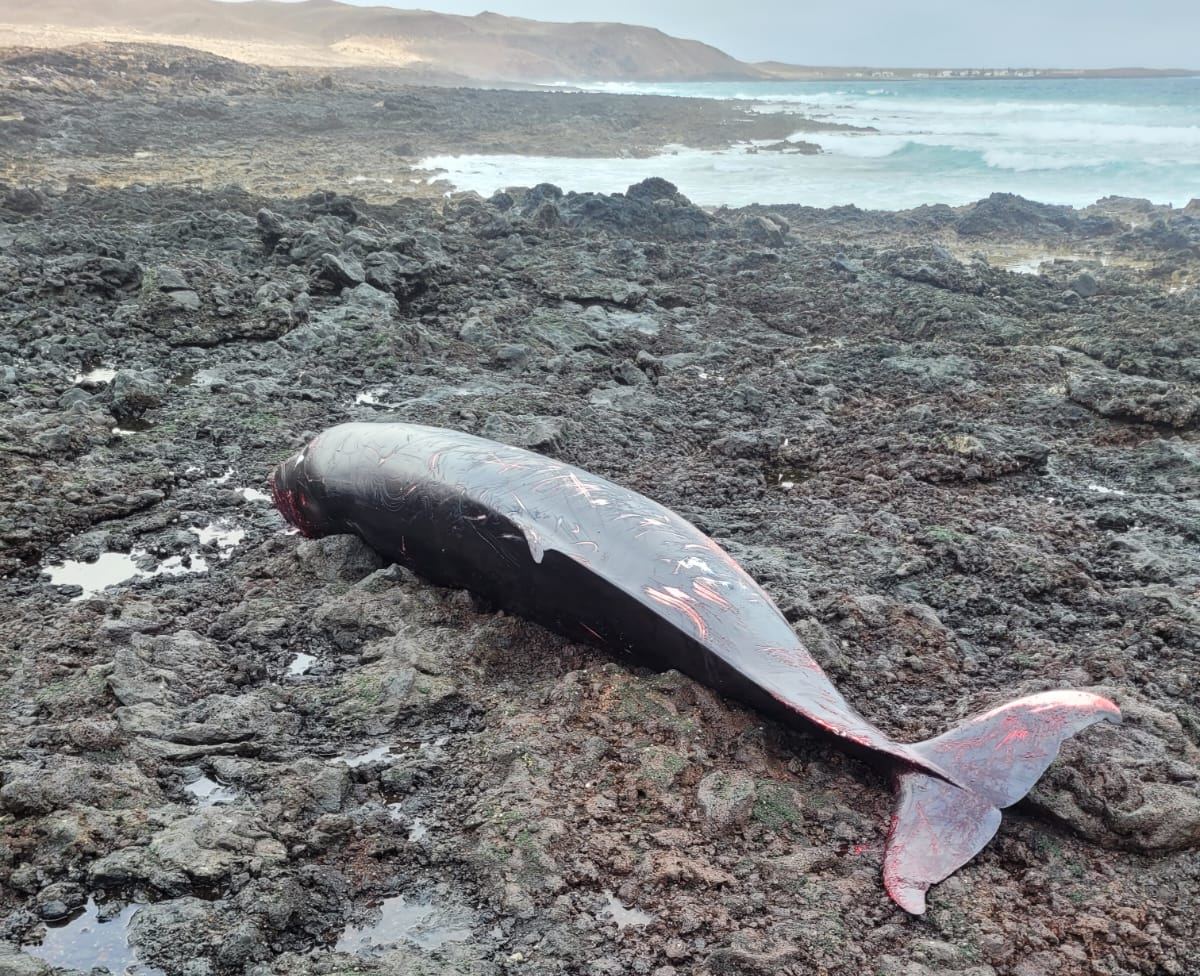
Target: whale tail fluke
991,760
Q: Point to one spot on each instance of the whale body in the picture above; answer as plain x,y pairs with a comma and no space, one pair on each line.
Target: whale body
600,563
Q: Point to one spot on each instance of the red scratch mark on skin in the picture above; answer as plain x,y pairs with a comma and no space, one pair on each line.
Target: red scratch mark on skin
435,460
705,591
793,657
587,542
678,600
590,631
1014,736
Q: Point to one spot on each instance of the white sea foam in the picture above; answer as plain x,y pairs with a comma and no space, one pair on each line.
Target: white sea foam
1057,141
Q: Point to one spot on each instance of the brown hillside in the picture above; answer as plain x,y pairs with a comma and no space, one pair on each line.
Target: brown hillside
323,32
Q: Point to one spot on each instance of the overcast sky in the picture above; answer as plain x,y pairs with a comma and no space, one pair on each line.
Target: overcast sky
923,33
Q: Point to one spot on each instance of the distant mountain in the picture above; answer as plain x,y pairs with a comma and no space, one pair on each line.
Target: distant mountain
487,47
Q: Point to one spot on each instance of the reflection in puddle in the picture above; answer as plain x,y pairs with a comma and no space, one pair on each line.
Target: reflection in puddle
94,377
210,793
108,570
419,922
86,942
371,398
624,916
373,755
111,568
225,536
133,425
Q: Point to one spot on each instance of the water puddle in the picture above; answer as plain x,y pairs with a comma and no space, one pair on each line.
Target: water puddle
253,495
221,479
370,756
378,396
418,921
418,829
133,425
434,751
1031,265
94,377
113,568
210,793
371,398
301,665
624,917
109,569
86,941
226,537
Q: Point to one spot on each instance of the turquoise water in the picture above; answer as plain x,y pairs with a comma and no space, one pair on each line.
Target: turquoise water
1056,141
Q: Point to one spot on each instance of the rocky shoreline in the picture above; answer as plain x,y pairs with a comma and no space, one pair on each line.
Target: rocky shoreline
255,754
116,114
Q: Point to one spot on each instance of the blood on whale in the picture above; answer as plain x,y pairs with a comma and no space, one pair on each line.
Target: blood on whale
600,563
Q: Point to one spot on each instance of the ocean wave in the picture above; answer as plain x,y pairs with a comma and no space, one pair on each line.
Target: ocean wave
937,142
1020,161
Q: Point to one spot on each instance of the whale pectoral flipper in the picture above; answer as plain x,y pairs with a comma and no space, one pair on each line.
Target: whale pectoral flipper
994,759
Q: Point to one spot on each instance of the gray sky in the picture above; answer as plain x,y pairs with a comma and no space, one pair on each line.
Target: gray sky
926,33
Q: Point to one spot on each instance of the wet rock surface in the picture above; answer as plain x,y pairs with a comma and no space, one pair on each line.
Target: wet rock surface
960,483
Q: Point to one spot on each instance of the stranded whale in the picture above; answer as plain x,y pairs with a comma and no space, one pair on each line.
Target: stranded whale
603,564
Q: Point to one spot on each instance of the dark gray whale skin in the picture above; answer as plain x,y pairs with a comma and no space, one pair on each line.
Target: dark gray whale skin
602,564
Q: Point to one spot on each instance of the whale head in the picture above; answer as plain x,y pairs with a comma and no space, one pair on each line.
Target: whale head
292,489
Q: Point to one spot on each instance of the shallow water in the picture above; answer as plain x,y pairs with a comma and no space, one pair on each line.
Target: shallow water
85,942
210,793
114,568
425,924
101,374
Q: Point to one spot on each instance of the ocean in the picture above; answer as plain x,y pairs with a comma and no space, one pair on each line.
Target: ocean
944,141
